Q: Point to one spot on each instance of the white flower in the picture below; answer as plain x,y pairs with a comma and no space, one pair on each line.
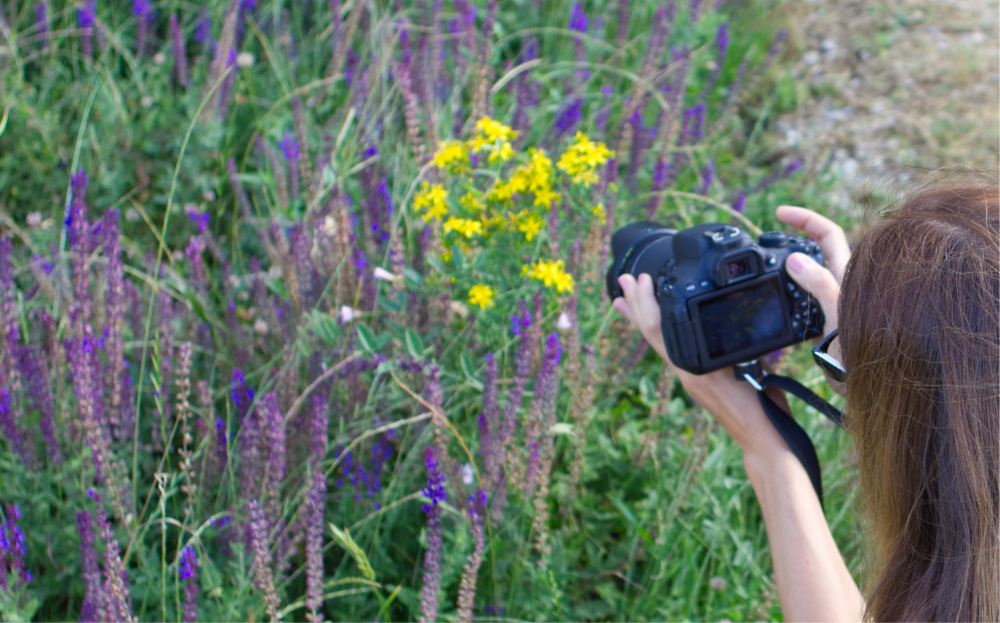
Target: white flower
260,326
244,59
147,101
564,324
383,274
329,226
34,219
460,308
346,314
159,58
468,474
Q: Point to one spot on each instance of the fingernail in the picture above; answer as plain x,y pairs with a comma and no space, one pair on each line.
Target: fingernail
796,263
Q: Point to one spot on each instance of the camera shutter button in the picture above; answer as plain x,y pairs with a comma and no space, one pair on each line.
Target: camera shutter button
773,239
689,286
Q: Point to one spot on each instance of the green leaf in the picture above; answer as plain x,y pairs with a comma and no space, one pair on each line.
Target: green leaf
368,340
469,374
344,540
648,393
325,328
414,344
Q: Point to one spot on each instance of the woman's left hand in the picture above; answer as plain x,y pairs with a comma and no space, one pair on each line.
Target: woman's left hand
732,403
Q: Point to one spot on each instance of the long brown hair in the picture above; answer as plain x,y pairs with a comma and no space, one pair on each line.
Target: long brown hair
920,338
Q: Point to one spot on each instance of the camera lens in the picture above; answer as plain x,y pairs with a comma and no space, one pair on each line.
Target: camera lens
738,269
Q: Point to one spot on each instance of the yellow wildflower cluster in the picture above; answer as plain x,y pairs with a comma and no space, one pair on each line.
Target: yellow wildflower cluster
432,198
494,137
534,177
600,213
453,156
552,275
582,158
481,294
527,223
464,226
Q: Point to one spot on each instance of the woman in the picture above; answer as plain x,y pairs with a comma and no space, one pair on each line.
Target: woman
918,310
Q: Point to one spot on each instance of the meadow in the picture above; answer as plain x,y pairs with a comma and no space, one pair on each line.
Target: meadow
303,310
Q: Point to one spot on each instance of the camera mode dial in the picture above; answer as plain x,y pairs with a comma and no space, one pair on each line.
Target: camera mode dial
773,239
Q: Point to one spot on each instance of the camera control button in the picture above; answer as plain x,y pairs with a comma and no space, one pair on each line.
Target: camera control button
791,286
797,295
771,261
704,283
690,287
773,239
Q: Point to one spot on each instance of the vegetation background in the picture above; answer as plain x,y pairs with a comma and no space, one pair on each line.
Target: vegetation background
245,371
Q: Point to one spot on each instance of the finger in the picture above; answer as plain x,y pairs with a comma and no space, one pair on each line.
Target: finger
646,303
621,305
628,285
819,282
829,235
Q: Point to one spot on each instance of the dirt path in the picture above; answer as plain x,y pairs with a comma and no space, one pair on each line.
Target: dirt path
915,82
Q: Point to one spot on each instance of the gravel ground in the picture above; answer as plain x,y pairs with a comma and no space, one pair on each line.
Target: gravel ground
904,82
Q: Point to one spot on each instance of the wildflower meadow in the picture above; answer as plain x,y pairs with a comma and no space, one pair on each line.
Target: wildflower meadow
303,309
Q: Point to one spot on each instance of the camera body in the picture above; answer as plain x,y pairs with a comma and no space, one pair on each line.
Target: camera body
724,298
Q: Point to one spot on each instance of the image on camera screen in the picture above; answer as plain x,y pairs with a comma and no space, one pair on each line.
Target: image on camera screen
742,318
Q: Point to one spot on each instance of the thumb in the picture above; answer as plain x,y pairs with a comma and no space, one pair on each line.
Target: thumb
818,281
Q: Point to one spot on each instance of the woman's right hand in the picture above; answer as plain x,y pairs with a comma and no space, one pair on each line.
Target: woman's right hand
822,282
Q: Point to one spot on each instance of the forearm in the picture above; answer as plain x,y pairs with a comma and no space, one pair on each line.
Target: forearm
813,581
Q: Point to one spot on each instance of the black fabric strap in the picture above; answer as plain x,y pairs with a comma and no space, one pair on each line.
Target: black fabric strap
790,430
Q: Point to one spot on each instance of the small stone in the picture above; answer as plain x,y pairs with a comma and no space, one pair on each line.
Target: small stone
717,584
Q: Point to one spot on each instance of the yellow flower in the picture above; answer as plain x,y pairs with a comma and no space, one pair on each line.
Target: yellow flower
551,274
464,226
505,191
527,223
582,158
494,130
545,198
452,156
505,153
471,203
600,213
481,295
432,198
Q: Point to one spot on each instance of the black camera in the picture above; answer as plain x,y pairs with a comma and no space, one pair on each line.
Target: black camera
724,299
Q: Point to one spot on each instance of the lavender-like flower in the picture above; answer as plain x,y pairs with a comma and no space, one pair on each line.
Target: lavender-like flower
660,171
115,324
432,557
180,75
741,202
274,422
115,575
35,372
86,16
290,150
13,548
187,571
707,177
467,587
94,598
203,32
721,45
42,24
142,11
259,542
237,186
315,509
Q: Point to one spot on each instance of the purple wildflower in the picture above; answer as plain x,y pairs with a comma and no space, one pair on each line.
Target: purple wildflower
94,598
35,372
203,33
289,147
315,508
467,586
578,19
144,16
86,16
432,557
274,421
42,23
115,576
707,177
740,203
259,542
180,74
489,425
570,116
188,573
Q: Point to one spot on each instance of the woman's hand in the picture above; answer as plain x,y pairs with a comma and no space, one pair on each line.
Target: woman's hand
731,402
822,283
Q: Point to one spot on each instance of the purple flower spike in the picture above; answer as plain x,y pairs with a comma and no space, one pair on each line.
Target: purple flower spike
42,23
578,19
289,147
722,40
87,14
203,34
188,572
432,557
740,203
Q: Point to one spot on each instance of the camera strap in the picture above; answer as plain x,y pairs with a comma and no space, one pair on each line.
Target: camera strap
790,430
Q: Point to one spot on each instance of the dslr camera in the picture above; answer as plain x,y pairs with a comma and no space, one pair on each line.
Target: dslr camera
724,298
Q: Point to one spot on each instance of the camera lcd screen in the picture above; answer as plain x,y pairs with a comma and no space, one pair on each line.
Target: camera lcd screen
742,318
